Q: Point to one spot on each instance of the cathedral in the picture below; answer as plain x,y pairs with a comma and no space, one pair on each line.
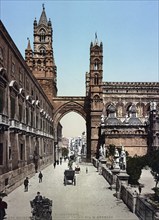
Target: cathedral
116,113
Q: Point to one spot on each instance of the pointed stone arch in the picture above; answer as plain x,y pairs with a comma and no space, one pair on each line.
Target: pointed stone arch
120,109
140,109
65,105
127,106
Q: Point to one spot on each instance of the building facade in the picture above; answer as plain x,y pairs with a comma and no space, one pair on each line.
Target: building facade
26,126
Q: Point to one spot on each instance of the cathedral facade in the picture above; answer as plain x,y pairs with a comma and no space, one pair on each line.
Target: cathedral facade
120,112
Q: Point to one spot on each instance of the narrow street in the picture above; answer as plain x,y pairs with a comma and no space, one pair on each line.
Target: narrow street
91,198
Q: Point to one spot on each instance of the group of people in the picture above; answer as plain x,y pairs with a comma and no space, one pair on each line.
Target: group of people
57,162
26,181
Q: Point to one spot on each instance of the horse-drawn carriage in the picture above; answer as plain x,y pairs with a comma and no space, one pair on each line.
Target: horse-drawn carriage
69,177
41,210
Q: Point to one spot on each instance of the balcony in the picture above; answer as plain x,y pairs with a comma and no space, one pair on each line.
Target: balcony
23,128
4,123
14,125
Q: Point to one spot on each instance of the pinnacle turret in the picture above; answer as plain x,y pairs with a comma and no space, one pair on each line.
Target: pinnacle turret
29,46
43,18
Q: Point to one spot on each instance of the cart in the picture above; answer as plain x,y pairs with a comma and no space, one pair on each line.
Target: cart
69,177
41,210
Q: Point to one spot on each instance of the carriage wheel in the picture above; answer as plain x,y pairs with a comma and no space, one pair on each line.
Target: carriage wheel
65,181
74,181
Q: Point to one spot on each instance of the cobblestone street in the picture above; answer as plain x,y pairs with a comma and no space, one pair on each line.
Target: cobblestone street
91,198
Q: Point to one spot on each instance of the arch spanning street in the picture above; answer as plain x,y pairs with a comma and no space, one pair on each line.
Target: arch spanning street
91,198
66,104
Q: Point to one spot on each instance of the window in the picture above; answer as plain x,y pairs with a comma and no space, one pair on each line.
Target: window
1,153
27,84
12,107
20,112
32,119
96,65
42,35
41,123
13,68
27,116
20,75
96,81
21,151
42,51
10,153
37,121
1,100
1,55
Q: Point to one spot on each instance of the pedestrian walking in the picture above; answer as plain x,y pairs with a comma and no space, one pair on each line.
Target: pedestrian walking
139,188
26,183
86,169
60,160
3,207
55,164
40,177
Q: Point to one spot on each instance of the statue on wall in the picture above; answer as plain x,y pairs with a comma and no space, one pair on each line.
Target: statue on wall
102,119
153,106
102,151
123,158
116,159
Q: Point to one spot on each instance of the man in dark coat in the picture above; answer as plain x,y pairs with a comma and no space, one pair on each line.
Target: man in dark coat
40,177
26,183
3,206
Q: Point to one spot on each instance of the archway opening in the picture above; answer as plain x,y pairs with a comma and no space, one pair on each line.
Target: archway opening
73,125
73,139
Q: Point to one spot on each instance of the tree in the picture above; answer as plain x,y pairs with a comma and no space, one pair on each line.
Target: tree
65,152
134,169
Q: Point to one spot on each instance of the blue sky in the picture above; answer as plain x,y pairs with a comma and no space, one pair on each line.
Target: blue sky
128,29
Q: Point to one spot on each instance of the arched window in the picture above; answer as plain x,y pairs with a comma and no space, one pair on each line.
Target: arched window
39,62
96,80
42,51
96,65
42,35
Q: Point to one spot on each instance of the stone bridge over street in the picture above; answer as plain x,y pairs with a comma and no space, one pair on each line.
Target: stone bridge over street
91,198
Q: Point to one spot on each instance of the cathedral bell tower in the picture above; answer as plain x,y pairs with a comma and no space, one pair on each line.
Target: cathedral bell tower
94,89
41,59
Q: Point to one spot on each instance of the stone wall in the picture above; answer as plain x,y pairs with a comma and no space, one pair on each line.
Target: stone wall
128,197
14,178
133,200
144,210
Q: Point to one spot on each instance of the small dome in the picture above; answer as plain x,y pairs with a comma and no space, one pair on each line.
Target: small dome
112,121
132,109
35,22
134,121
49,22
111,109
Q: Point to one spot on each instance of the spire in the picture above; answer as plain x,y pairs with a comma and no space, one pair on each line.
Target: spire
28,47
43,18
